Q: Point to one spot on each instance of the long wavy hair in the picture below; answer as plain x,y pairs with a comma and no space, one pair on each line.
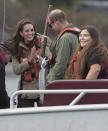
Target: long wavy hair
17,38
96,44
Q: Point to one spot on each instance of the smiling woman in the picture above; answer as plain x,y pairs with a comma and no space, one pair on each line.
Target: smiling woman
85,38
25,51
91,58
28,33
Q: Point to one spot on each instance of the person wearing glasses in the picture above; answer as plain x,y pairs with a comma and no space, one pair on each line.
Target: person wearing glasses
64,45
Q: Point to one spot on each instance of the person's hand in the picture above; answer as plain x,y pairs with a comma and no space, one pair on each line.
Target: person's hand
24,60
49,56
45,40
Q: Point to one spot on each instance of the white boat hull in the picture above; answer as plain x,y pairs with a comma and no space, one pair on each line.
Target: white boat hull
64,118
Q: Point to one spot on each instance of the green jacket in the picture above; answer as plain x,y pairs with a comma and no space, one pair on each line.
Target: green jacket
62,49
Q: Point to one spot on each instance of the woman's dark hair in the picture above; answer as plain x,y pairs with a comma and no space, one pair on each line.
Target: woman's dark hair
18,38
96,44
94,33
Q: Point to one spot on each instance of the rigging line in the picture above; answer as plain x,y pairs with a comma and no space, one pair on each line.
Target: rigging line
46,22
4,19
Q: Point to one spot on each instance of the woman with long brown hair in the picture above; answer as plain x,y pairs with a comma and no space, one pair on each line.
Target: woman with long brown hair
91,58
25,53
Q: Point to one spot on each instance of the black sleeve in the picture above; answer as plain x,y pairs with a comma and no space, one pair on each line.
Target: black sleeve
94,57
2,76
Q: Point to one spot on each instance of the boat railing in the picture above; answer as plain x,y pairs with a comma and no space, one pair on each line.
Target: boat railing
80,92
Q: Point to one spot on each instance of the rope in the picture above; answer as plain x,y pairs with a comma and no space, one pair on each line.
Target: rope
4,19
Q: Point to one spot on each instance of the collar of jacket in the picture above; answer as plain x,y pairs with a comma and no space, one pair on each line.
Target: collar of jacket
68,28
21,44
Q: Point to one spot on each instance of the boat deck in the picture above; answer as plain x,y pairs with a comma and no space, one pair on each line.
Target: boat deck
71,117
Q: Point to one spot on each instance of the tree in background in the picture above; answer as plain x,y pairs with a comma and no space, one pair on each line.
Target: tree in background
36,10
